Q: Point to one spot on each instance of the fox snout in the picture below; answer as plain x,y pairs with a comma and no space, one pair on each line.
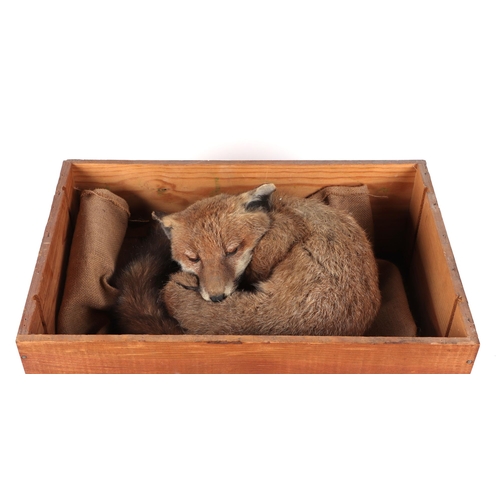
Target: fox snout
216,285
217,298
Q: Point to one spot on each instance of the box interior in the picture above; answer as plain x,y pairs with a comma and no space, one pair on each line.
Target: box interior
407,223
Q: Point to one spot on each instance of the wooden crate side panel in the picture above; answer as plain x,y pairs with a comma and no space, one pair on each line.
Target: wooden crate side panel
438,261
72,196
40,311
434,279
103,354
173,186
52,283
430,275
31,321
420,189
462,324
412,266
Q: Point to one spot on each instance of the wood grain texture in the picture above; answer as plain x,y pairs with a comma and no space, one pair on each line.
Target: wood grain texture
421,186
237,354
39,314
430,279
462,324
172,186
403,203
434,277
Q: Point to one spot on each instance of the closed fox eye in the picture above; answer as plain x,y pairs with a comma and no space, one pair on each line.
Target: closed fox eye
232,250
193,257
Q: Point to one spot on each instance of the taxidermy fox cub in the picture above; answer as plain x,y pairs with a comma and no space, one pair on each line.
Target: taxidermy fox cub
260,262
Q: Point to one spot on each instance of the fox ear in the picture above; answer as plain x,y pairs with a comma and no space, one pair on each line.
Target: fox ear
166,222
258,199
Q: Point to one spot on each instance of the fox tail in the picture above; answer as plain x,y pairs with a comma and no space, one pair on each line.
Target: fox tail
139,308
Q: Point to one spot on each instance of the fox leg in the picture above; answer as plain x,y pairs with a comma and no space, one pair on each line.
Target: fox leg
198,316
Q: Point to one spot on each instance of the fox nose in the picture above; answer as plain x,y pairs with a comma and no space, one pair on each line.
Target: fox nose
217,298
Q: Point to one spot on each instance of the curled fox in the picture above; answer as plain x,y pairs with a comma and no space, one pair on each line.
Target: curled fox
261,262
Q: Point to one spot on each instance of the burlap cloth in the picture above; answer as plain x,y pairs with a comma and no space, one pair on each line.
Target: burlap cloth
99,233
394,318
352,199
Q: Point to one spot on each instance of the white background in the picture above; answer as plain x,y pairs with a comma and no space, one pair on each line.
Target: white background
353,80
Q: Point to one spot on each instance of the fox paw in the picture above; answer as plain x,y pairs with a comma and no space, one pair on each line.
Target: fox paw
180,293
186,280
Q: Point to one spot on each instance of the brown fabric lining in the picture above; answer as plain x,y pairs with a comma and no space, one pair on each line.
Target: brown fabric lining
394,318
99,234
352,199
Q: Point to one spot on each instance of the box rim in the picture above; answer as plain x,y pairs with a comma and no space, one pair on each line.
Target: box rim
244,339
60,197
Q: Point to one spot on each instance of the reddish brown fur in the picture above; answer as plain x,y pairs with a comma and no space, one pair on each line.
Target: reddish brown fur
214,239
312,265
139,308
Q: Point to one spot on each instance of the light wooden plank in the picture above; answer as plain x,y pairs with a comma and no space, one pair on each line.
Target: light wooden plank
433,275
178,184
435,285
430,275
420,188
230,354
172,186
40,311
462,324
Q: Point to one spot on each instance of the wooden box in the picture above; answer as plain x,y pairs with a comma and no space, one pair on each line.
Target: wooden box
409,231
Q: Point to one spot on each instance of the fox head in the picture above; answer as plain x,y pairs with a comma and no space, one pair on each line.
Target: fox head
214,238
